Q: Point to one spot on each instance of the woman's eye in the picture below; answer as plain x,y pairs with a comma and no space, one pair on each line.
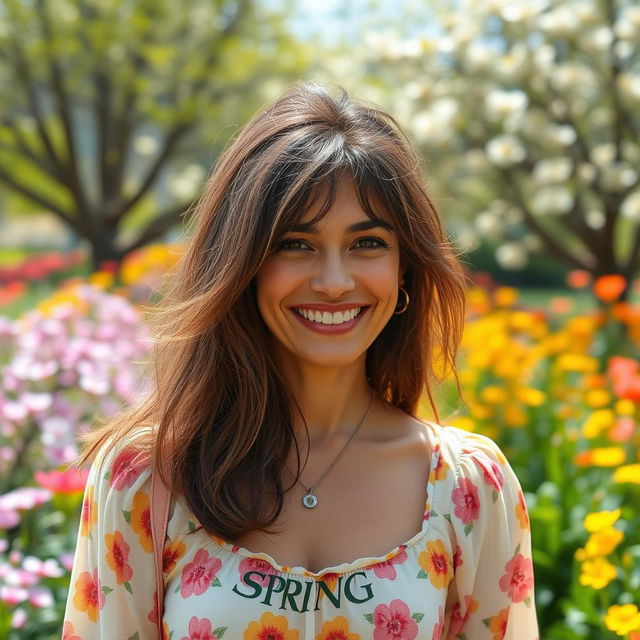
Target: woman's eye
292,243
373,243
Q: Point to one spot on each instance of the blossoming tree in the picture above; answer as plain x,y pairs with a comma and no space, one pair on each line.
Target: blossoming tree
529,113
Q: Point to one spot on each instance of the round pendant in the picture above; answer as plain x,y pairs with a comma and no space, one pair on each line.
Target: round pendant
309,501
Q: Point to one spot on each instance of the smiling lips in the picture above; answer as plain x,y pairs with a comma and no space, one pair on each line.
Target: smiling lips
330,318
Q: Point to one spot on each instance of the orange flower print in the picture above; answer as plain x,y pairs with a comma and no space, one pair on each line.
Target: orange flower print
89,512
336,629
465,497
436,563
126,468
330,580
521,512
171,554
498,624
458,620
394,622
270,627
517,582
68,632
88,596
117,556
141,520
440,471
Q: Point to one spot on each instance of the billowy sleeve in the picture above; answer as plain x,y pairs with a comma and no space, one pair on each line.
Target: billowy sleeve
492,589
112,586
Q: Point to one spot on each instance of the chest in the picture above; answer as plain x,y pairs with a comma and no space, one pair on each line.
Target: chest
370,502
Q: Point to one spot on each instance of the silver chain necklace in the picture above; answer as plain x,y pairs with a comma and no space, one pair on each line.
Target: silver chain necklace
310,500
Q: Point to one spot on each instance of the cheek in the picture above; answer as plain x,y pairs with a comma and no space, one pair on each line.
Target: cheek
273,283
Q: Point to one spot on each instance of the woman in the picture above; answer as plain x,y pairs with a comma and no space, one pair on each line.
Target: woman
317,301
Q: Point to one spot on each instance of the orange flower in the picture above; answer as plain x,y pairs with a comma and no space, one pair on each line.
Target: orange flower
117,556
89,512
521,512
171,555
336,629
498,624
609,287
578,278
271,627
436,562
141,520
88,596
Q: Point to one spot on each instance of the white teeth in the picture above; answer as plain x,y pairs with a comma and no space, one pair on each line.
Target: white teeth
324,317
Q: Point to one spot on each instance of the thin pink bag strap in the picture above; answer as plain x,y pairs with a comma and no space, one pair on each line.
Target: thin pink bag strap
159,506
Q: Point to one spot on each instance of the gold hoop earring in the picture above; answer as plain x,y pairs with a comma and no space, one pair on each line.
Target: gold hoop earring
398,311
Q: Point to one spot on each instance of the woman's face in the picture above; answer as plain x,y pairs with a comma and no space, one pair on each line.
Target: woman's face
347,264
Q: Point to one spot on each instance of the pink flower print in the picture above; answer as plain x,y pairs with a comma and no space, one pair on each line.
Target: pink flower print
394,622
199,630
438,628
457,557
459,621
259,565
386,570
492,471
197,575
517,582
465,497
126,468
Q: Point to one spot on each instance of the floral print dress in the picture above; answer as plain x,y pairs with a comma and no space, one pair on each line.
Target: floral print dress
466,575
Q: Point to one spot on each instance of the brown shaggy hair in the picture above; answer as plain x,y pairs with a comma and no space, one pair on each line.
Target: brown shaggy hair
220,413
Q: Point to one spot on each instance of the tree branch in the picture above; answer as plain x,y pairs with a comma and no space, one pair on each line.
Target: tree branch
158,226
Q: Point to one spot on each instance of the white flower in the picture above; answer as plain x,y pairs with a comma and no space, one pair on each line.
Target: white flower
505,150
487,224
598,39
145,145
628,23
586,172
476,159
630,207
512,256
618,176
466,238
478,56
553,170
511,65
185,184
562,134
500,104
522,11
554,200
603,154
595,219
532,242
629,84
574,77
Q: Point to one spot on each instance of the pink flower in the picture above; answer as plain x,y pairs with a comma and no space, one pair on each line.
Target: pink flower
126,468
394,622
385,569
256,564
492,472
68,481
458,621
457,557
199,630
198,575
517,582
465,497
438,628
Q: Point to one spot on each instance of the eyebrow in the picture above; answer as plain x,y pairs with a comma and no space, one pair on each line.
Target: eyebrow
365,225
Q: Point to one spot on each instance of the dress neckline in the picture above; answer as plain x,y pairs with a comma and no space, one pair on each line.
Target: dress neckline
365,561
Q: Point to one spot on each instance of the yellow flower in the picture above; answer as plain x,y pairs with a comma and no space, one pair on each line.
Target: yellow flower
514,415
622,618
463,422
603,542
598,421
625,407
597,573
607,456
597,398
494,395
531,397
600,520
337,628
505,296
437,564
270,626
628,473
101,279
577,363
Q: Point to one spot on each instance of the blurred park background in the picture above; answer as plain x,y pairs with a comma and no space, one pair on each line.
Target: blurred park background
527,114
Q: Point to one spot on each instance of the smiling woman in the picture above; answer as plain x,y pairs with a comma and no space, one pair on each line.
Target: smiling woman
318,301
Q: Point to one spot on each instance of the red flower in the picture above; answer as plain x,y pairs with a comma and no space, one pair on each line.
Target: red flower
394,622
458,621
438,628
465,497
68,481
199,630
492,471
457,557
198,575
517,582
609,287
126,468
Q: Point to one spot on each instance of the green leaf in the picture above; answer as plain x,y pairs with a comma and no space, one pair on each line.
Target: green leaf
218,632
127,516
106,590
369,617
468,528
135,636
422,574
216,582
127,586
418,616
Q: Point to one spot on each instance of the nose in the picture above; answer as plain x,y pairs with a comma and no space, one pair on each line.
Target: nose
333,276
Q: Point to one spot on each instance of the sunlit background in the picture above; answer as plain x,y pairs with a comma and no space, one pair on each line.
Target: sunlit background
526,113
